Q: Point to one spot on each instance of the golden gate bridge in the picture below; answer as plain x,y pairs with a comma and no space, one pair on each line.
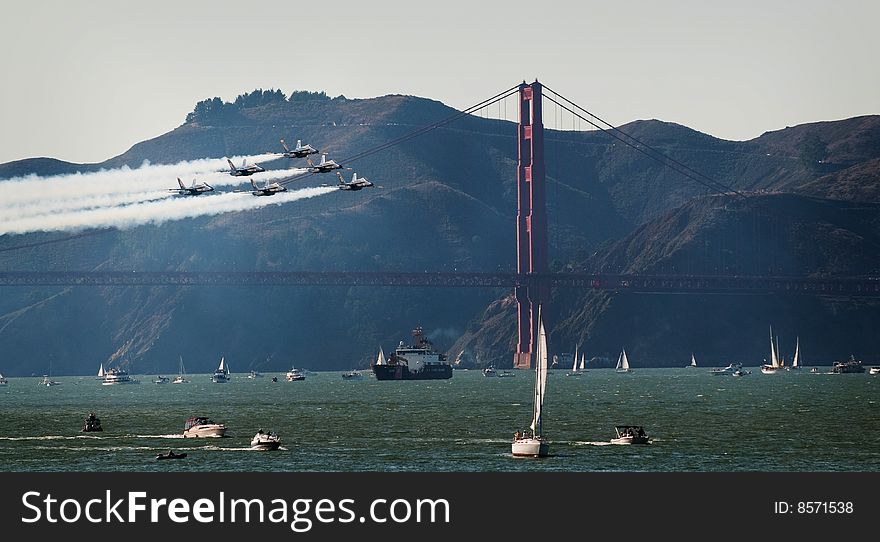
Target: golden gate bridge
532,281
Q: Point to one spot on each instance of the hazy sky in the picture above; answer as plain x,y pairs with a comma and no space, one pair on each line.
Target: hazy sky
85,80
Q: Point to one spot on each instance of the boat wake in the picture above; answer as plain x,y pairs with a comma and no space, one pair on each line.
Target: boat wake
56,437
591,443
173,435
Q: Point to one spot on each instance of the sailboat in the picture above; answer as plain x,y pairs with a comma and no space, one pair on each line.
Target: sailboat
623,363
47,380
381,359
101,372
221,375
583,365
775,363
574,364
3,380
693,361
535,445
181,374
795,363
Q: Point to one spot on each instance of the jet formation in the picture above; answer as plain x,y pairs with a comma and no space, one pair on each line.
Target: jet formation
270,189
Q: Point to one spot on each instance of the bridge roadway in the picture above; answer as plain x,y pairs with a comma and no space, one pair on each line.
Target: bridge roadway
653,284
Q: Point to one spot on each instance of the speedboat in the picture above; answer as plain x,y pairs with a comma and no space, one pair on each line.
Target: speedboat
254,374
740,372
815,370
352,375
630,434
265,441
161,380
171,455
91,424
874,370
729,370
294,375
490,371
200,426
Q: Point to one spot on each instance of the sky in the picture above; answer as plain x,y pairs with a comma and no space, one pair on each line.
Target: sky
86,80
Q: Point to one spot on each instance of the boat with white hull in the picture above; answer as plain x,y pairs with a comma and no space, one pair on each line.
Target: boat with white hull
181,374
265,441
221,375
535,445
623,363
115,376
776,363
202,427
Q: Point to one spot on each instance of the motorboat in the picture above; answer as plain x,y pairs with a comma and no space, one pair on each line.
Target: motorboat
630,434
729,370
91,424
505,374
200,426
3,380
874,370
254,374
294,375
536,444
221,375
815,370
265,441
490,371
171,455
352,375
740,372
851,366
161,380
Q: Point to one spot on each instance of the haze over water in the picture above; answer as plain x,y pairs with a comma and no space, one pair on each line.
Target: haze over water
699,422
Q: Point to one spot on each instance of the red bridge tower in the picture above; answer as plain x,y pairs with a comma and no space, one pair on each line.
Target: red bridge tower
531,221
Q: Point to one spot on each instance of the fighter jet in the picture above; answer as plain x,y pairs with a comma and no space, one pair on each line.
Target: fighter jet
300,151
325,166
267,190
194,190
245,169
355,183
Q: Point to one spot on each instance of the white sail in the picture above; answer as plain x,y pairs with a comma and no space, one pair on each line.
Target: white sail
583,362
574,363
619,360
540,376
101,371
797,348
774,361
222,368
693,360
624,362
181,370
381,359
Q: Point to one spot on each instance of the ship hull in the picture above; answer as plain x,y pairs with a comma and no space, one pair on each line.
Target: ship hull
401,372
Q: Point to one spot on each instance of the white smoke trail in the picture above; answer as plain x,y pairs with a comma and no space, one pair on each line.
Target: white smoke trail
154,212
126,180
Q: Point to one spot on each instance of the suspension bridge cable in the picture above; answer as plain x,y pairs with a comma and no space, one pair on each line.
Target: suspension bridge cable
417,132
664,156
717,188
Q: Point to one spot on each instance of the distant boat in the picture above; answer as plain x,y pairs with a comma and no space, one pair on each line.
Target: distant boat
116,376
693,361
795,363
181,374
101,372
535,445
3,380
221,375
171,455
254,374
91,423
583,366
623,363
352,375
265,441
295,375
201,426
380,360
871,371
775,364
161,380
46,381
729,370
490,371
574,364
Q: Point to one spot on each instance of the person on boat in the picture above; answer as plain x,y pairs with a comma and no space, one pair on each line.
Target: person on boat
516,435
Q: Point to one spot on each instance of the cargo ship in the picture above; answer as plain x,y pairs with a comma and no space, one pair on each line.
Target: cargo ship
417,362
